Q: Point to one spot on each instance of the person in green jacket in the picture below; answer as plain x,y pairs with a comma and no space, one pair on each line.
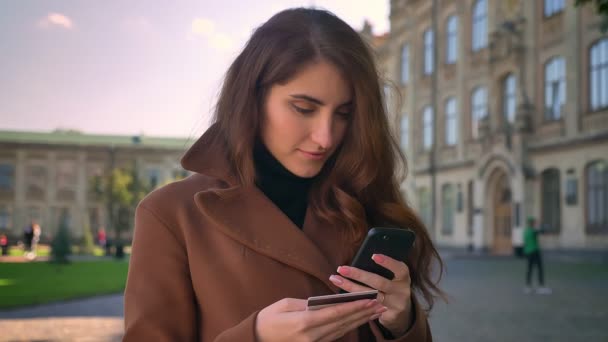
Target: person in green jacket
533,254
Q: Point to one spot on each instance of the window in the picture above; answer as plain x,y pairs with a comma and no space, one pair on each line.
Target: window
424,202
597,197
451,51
553,7
448,208
555,88
5,217
63,217
405,132
405,64
94,218
571,191
34,213
451,122
599,75
427,131
479,109
470,207
36,178
7,177
550,200
509,100
66,175
428,52
480,25
153,177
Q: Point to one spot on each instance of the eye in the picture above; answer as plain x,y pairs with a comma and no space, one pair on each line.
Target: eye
344,115
302,110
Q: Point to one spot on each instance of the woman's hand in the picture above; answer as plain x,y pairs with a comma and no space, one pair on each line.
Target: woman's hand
394,294
288,320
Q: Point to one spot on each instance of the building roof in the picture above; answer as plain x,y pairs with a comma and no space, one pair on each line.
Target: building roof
71,137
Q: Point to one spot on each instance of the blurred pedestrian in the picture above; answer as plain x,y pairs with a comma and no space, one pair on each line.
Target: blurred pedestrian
28,235
36,233
533,254
4,244
101,237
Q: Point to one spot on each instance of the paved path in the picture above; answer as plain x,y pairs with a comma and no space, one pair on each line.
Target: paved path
487,304
94,319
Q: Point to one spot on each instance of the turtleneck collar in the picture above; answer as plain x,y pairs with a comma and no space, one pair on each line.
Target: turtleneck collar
286,190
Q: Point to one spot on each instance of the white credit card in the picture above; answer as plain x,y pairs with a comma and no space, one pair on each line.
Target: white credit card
318,302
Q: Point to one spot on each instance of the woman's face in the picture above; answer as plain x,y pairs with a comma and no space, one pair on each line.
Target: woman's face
306,118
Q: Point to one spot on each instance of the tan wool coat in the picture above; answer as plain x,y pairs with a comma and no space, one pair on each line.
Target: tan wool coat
208,255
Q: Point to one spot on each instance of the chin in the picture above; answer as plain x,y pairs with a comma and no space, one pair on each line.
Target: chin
306,173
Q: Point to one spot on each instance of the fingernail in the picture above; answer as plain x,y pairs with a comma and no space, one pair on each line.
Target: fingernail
378,258
381,310
371,303
343,270
375,317
335,280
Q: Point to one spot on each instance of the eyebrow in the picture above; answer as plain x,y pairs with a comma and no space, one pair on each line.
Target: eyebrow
317,101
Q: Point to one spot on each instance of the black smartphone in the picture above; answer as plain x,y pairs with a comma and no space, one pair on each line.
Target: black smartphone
393,242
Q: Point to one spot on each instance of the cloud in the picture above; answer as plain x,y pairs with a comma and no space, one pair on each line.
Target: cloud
56,19
205,29
202,27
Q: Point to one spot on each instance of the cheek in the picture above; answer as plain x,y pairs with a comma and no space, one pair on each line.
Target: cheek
283,128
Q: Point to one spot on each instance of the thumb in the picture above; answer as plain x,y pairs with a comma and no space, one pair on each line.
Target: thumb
290,305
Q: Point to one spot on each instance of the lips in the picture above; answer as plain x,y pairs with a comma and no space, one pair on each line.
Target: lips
314,155
318,154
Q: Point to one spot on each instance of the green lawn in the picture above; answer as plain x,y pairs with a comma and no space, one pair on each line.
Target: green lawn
42,282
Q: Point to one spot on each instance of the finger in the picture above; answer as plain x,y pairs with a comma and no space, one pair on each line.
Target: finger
347,285
370,279
336,312
336,331
399,268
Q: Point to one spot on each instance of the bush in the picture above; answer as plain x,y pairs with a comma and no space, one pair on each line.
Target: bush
61,245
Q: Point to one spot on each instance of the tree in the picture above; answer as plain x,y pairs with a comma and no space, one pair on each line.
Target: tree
121,190
601,8
88,244
61,246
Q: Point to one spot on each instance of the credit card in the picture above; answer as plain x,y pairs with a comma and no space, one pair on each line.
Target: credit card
318,302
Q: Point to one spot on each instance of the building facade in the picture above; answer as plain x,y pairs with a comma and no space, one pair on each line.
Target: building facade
46,175
502,111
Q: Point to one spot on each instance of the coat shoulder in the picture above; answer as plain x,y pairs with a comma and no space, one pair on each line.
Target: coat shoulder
172,201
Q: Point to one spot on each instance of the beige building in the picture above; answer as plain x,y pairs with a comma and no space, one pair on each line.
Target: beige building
502,110
43,175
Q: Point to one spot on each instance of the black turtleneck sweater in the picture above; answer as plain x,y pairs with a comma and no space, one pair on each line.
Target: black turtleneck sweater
286,190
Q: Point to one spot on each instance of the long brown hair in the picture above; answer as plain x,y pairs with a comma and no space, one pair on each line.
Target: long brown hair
359,184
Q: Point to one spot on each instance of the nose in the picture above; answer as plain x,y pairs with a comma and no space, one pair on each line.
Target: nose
322,132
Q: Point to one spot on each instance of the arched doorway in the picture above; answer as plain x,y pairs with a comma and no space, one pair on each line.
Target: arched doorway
501,219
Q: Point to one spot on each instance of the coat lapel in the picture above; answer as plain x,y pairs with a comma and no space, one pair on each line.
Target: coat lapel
246,215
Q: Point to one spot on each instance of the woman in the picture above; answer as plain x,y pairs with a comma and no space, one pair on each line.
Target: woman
296,167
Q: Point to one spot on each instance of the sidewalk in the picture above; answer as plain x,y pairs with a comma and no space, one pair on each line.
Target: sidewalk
567,256
93,319
21,258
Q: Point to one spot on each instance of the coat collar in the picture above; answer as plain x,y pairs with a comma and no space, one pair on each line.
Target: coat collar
246,215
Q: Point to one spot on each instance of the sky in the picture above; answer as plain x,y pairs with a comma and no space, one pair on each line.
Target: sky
132,67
